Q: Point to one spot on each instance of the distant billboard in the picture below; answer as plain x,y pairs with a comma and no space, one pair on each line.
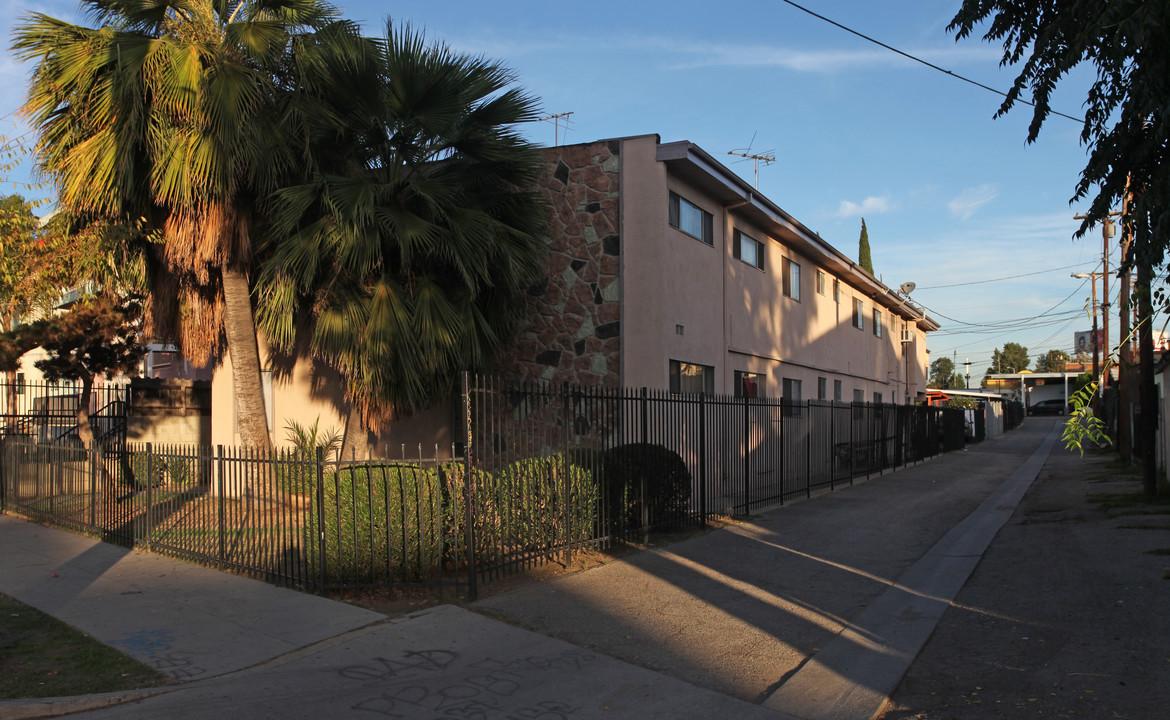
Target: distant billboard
1083,342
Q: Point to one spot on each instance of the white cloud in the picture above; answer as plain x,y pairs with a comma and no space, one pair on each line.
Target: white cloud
869,206
964,205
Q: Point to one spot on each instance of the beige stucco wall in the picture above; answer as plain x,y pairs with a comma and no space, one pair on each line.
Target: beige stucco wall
735,316
308,391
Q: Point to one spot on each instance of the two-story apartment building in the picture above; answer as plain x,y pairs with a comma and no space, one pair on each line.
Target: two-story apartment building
667,270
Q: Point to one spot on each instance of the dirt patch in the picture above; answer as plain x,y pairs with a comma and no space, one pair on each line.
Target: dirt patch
1065,615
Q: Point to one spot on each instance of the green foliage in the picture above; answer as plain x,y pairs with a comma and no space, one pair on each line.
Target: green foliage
1126,127
1082,426
412,245
308,439
863,255
941,370
528,506
1013,358
1052,361
963,403
403,522
94,337
381,522
667,485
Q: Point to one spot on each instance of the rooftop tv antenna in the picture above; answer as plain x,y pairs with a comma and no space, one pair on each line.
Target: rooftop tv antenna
767,157
557,119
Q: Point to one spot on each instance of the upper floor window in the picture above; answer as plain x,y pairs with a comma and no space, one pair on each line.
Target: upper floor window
691,378
791,279
748,249
749,385
692,219
836,291
837,390
822,388
822,282
877,323
858,314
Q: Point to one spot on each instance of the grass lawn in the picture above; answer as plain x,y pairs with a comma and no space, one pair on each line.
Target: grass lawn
40,656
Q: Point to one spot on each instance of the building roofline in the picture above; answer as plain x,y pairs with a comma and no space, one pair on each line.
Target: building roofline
737,191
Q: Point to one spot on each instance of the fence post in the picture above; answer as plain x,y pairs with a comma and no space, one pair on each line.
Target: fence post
219,502
808,432
566,421
703,460
832,447
149,494
747,451
94,457
642,467
468,491
321,554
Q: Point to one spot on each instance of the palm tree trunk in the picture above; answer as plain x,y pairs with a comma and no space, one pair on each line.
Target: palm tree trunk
240,327
355,445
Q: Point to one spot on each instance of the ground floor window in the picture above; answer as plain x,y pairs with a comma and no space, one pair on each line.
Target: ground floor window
691,378
750,385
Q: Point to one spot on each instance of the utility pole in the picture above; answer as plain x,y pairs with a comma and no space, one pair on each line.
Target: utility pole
968,375
1124,359
1092,276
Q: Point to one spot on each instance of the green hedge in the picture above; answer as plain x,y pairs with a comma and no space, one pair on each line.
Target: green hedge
379,525
403,523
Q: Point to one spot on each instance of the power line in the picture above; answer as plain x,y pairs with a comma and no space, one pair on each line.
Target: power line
908,56
1006,325
1009,277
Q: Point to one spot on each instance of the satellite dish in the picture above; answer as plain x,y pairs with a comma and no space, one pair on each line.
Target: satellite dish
907,288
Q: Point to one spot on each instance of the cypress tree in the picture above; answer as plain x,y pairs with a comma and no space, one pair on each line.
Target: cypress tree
863,257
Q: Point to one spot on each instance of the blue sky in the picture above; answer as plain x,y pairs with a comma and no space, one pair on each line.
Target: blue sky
954,200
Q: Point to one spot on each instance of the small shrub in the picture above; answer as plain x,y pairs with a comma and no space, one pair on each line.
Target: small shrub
667,486
528,509
380,524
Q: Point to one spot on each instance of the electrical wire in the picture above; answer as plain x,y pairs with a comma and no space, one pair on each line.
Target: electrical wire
1009,277
1008,324
931,65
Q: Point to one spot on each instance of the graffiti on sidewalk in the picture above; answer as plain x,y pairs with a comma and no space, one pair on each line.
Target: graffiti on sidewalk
156,649
435,684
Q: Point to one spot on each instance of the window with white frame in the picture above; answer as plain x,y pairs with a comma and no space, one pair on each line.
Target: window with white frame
858,314
748,249
836,291
822,282
877,322
792,279
691,378
691,219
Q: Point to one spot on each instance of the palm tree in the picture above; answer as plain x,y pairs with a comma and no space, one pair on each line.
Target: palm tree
413,249
186,115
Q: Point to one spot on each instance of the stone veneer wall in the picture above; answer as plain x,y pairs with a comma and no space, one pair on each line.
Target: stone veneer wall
573,333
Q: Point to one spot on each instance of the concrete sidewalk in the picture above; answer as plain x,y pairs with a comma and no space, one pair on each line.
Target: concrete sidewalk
765,619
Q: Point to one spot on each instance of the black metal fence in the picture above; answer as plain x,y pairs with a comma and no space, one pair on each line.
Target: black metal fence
552,470
47,411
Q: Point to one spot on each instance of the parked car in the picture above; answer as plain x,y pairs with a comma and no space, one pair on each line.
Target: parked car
1049,407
